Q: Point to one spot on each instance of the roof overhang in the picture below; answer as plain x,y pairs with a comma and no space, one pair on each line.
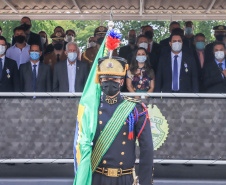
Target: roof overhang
157,10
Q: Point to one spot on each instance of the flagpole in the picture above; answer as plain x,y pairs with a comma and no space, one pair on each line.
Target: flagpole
110,27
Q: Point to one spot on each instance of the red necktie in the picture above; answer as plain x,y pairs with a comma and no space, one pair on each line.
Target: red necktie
149,49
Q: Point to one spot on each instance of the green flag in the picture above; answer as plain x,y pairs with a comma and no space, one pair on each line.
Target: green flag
86,124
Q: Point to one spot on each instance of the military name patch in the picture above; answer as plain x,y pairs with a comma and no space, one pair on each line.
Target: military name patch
159,126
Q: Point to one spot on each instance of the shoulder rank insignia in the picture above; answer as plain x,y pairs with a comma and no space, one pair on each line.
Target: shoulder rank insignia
132,99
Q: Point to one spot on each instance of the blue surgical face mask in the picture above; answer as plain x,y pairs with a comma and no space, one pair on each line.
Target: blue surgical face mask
200,45
188,31
34,55
141,59
72,56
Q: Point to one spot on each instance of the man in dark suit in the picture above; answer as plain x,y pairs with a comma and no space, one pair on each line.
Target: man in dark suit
126,50
214,72
198,52
189,36
70,75
177,71
153,47
35,76
174,26
219,33
9,74
31,37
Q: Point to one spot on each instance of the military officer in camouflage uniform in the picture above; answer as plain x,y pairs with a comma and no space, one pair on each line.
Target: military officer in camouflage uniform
121,121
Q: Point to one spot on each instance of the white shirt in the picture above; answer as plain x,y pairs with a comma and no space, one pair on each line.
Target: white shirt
20,56
3,61
179,59
71,71
32,67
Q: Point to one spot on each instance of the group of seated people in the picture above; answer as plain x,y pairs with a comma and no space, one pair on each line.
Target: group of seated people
180,63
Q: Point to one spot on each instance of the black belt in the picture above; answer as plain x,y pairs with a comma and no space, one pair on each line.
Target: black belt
114,172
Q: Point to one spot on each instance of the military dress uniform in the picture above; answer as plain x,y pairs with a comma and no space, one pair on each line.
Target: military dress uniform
51,58
89,56
117,164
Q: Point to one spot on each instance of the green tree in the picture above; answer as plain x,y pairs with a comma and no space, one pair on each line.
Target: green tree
7,27
85,29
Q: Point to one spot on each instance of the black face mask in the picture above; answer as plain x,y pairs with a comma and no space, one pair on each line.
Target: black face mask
219,37
100,40
26,26
19,39
132,40
149,34
110,87
58,46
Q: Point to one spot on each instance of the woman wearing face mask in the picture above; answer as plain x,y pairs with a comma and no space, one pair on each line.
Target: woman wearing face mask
44,38
140,77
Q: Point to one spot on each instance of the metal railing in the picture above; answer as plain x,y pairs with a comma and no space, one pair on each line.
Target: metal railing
142,95
156,161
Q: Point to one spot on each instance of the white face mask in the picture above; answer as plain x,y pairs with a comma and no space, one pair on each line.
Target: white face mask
219,55
176,46
2,49
143,45
69,38
43,40
92,44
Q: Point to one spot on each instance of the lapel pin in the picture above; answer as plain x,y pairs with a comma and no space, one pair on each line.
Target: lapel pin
186,67
8,73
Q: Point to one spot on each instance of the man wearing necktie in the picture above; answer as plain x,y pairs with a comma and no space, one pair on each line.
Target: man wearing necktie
198,52
177,71
70,75
9,74
34,75
153,47
215,71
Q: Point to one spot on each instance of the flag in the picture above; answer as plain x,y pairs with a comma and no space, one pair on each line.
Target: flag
86,124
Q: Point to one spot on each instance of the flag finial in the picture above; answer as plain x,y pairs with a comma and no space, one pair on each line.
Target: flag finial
111,23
